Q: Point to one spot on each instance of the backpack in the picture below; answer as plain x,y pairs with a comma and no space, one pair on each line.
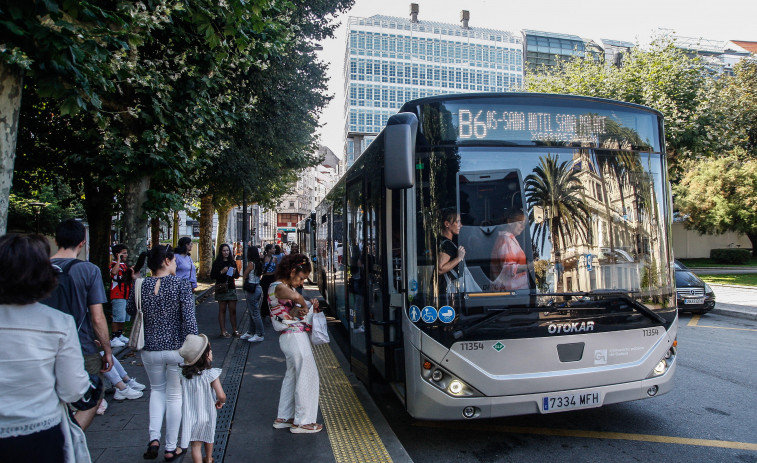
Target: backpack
62,297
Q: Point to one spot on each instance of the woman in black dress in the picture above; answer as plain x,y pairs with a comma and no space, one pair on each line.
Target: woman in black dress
225,273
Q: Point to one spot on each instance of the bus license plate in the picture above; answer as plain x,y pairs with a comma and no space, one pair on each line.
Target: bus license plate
556,403
699,300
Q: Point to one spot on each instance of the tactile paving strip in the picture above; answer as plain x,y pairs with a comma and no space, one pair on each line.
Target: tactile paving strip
352,435
231,379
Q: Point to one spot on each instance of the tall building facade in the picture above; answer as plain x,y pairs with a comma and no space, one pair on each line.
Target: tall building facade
392,60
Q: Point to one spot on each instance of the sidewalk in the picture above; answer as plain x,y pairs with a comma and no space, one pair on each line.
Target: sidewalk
252,375
735,301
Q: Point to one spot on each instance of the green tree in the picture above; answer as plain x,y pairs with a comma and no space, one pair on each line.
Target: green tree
556,189
63,45
712,202
733,109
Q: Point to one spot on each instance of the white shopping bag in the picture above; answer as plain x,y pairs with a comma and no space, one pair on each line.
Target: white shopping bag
320,332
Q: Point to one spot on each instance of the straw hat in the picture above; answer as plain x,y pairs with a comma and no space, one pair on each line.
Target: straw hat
193,348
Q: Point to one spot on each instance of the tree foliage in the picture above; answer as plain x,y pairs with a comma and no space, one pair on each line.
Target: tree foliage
719,194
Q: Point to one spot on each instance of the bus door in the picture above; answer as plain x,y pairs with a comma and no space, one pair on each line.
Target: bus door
355,261
377,300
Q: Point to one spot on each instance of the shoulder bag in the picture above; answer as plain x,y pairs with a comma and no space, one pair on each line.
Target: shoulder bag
137,337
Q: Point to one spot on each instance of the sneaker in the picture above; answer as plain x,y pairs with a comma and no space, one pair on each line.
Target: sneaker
103,406
115,342
247,335
123,339
255,338
127,393
133,384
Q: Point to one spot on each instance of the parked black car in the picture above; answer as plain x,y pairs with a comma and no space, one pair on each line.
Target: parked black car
693,294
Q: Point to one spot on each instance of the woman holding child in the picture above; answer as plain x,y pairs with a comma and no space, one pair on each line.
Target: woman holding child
290,315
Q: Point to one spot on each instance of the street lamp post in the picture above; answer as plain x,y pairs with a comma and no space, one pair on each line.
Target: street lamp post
37,210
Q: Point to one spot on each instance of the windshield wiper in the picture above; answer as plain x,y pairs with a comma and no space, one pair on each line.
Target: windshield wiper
495,313
610,294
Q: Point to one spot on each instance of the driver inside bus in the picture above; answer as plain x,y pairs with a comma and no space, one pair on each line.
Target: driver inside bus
509,267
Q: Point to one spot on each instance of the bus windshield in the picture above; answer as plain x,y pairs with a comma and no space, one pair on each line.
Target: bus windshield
528,230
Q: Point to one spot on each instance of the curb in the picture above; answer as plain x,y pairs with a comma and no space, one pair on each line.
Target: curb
735,313
727,285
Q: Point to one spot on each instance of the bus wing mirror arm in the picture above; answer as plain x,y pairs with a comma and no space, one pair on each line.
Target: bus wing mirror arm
399,151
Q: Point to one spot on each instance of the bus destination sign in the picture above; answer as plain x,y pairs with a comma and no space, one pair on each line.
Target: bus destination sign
598,125
541,126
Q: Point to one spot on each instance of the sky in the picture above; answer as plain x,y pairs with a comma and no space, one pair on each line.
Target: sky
629,20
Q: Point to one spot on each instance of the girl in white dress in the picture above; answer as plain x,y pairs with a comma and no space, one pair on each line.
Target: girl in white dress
203,395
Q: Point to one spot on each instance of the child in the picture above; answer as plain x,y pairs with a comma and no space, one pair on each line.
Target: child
202,393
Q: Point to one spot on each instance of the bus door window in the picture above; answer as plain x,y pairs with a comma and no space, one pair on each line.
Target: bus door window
354,254
395,228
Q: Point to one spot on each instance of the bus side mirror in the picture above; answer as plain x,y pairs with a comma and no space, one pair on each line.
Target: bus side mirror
399,151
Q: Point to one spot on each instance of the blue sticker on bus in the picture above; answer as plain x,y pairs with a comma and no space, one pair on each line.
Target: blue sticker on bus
446,314
415,313
429,314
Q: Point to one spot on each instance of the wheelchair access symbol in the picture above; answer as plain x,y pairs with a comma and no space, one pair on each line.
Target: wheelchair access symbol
415,313
429,314
446,314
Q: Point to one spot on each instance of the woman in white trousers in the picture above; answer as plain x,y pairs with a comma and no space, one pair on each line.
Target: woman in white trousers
298,403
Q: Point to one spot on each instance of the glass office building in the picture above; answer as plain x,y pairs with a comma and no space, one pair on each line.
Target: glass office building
391,60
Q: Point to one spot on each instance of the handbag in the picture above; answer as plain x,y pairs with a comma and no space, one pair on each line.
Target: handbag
319,334
250,287
137,337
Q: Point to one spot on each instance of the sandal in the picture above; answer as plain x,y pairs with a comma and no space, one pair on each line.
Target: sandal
235,334
306,428
152,450
281,424
176,453
224,334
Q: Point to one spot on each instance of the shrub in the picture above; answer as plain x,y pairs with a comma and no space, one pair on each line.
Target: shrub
731,256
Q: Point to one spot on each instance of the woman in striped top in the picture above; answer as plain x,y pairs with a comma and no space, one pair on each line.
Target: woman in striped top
298,403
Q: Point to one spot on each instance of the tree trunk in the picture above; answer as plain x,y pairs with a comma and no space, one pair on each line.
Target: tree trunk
134,217
554,224
206,236
98,204
154,232
223,226
175,228
11,85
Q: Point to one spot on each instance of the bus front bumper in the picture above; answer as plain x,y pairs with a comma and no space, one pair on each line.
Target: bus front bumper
430,403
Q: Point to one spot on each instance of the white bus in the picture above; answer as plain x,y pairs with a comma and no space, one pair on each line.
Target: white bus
564,298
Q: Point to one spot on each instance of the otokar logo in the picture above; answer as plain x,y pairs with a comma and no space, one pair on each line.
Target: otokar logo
574,327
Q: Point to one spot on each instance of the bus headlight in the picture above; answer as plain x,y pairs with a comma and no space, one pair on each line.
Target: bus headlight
456,386
664,364
446,381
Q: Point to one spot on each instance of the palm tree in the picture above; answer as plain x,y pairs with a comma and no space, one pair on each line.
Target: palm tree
557,190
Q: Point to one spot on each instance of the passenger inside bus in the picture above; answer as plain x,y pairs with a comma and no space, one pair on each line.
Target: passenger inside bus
450,254
509,267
